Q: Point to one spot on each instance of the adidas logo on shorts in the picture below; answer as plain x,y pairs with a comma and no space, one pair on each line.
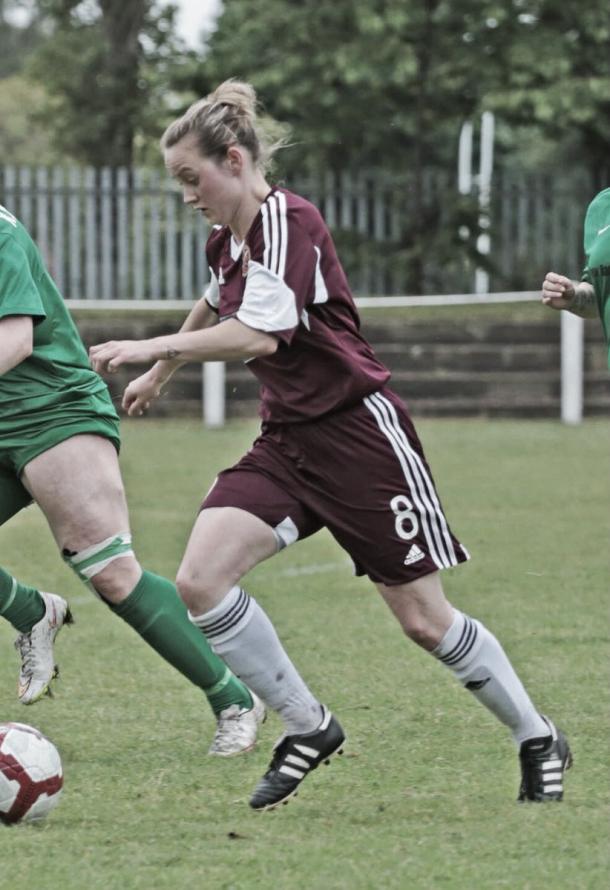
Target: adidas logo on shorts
414,555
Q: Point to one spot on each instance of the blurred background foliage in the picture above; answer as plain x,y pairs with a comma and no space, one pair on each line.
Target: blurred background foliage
360,82
380,85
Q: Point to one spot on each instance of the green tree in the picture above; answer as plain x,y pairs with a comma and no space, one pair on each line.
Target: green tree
20,33
386,84
555,92
97,66
22,139
364,84
360,81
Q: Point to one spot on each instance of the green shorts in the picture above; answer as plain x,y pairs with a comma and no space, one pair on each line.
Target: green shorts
32,434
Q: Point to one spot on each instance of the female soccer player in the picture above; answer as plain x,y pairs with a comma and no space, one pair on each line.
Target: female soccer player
337,449
59,438
589,297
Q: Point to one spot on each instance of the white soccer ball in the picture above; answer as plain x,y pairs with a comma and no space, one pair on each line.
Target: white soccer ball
31,775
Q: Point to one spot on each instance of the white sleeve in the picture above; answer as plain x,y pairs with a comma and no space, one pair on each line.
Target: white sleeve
268,303
212,292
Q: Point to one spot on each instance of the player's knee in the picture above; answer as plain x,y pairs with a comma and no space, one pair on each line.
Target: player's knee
190,591
109,568
117,580
199,594
420,631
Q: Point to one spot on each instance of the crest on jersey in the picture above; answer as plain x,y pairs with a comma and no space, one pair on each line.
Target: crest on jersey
245,260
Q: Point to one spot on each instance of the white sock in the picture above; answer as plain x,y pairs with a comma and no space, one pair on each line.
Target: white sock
477,660
241,634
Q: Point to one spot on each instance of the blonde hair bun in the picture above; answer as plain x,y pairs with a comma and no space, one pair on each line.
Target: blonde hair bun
226,117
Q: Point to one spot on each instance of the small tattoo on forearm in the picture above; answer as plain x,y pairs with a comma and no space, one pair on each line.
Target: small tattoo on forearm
172,353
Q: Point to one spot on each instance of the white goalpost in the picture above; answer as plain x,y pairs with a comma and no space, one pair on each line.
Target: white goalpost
572,361
213,394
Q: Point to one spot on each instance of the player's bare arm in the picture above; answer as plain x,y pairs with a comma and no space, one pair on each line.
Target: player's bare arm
229,341
144,389
560,292
16,340
200,317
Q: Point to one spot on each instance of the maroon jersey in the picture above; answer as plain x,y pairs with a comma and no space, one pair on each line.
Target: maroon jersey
286,279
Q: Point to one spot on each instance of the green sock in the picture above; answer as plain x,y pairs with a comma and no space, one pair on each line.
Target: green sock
156,612
22,606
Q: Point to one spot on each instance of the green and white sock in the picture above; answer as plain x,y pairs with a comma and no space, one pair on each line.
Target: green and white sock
158,615
22,606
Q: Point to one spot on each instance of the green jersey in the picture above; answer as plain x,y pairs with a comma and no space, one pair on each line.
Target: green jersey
57,373
597,252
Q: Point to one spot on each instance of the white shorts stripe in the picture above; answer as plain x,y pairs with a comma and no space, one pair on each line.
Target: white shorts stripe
418,494
421,488
439,516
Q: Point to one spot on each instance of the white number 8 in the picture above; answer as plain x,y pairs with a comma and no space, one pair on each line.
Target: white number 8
406,523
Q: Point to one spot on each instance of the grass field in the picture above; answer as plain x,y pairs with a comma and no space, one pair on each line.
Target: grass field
425,794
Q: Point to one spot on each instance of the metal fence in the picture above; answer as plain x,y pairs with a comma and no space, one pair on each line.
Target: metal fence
109,234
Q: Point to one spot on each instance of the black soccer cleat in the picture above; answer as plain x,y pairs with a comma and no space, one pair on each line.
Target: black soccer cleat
294,757
543,763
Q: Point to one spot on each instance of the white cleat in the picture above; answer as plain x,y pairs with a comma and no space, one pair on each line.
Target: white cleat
238,728
38,666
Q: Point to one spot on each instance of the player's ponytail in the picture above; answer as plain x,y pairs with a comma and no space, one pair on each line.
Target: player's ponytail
228,116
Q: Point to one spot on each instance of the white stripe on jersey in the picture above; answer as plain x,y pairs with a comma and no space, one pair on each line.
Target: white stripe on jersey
8,216
270,233
212,292
420,484
321,295
275,233
283,212
266,238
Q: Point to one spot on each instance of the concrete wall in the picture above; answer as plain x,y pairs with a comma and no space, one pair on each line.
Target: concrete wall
441,366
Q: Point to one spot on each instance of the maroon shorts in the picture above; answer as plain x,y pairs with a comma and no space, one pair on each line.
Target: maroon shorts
360,473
